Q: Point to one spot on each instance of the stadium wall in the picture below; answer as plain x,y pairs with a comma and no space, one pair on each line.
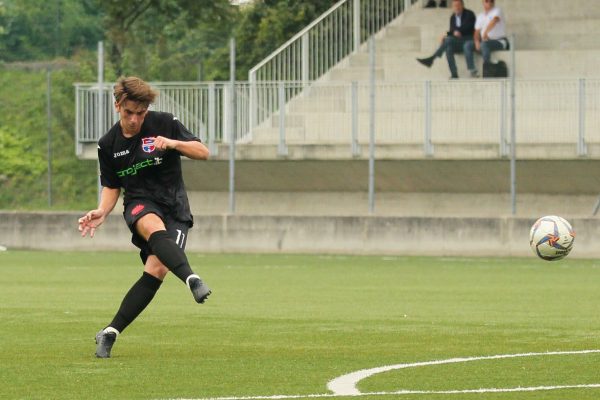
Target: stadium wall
287,234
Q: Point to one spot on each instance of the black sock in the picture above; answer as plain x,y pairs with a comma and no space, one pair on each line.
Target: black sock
170,254
134,302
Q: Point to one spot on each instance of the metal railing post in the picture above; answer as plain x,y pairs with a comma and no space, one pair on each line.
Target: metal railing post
356,24
504,147
100,118
305,58
355,146
581,145
371,125
211,118
252,105
49,127
428,146
232,127
281,147
513,129
78,146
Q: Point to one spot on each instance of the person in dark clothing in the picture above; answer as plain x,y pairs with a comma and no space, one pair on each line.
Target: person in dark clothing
141,154
462,28
431,4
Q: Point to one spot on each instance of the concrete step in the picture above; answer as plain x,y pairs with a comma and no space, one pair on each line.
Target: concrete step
350,74
447,126
267,135
397,67
399,43
403,30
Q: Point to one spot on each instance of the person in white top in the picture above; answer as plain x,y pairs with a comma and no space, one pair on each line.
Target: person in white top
489,36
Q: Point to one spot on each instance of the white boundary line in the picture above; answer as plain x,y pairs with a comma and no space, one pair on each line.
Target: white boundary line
345,385
406,392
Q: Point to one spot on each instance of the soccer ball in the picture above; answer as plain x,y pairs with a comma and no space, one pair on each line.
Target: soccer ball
551,238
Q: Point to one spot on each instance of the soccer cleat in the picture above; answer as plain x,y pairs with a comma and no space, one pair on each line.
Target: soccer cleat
198,288
104,343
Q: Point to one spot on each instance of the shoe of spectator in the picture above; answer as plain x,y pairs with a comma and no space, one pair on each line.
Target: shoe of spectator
474,74
454,77
428,62
443,4
431,4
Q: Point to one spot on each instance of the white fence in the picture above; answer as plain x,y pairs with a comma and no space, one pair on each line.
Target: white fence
426,114
204,108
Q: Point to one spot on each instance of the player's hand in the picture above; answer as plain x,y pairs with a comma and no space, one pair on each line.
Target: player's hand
457,34
486,36
90,222
163,143
477,45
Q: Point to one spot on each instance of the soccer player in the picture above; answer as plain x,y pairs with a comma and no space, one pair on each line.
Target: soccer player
141,154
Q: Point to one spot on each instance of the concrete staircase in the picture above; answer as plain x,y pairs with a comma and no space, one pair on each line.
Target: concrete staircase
561,45
565,26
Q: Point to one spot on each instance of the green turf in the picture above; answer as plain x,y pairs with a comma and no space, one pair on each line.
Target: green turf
287,324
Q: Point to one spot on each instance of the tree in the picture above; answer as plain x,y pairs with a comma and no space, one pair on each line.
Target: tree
44,29
148,34
262,28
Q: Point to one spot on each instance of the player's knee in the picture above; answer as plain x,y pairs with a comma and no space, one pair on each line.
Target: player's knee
155,268
149,224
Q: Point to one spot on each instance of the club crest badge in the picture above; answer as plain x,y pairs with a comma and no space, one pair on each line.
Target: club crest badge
148,144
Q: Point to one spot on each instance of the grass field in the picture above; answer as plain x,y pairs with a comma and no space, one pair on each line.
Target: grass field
288,324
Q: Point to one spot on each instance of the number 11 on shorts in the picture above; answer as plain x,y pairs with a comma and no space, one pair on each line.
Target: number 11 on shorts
180,238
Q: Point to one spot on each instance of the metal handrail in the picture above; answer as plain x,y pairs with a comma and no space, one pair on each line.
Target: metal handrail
327,40
298,35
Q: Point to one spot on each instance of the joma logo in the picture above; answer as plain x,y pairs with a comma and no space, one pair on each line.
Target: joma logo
121,153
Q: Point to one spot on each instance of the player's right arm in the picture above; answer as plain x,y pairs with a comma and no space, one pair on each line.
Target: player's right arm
94,218
111,188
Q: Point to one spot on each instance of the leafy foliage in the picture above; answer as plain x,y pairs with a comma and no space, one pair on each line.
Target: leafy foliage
43,29
23,140
261,28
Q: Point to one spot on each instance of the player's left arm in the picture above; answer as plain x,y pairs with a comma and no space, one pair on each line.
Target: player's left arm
192,149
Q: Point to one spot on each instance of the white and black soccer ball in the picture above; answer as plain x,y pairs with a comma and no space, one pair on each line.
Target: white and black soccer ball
551,238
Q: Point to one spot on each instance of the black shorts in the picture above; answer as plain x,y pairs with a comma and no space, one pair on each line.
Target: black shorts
177,230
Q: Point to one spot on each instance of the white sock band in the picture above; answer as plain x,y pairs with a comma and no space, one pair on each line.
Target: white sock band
187,281
110,329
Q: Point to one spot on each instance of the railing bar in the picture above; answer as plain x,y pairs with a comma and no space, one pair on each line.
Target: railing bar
299,34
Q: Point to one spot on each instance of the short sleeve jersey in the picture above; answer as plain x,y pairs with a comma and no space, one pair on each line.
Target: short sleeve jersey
484,19
144,172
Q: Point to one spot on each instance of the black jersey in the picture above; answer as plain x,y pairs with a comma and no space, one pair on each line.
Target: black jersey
144,172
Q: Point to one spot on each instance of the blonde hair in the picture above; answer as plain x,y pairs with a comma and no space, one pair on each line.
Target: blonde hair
134,89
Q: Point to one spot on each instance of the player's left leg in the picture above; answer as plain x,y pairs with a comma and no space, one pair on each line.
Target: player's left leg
167,241
135,301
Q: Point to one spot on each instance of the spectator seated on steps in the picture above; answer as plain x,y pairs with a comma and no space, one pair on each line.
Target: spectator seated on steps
462,28
490,35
